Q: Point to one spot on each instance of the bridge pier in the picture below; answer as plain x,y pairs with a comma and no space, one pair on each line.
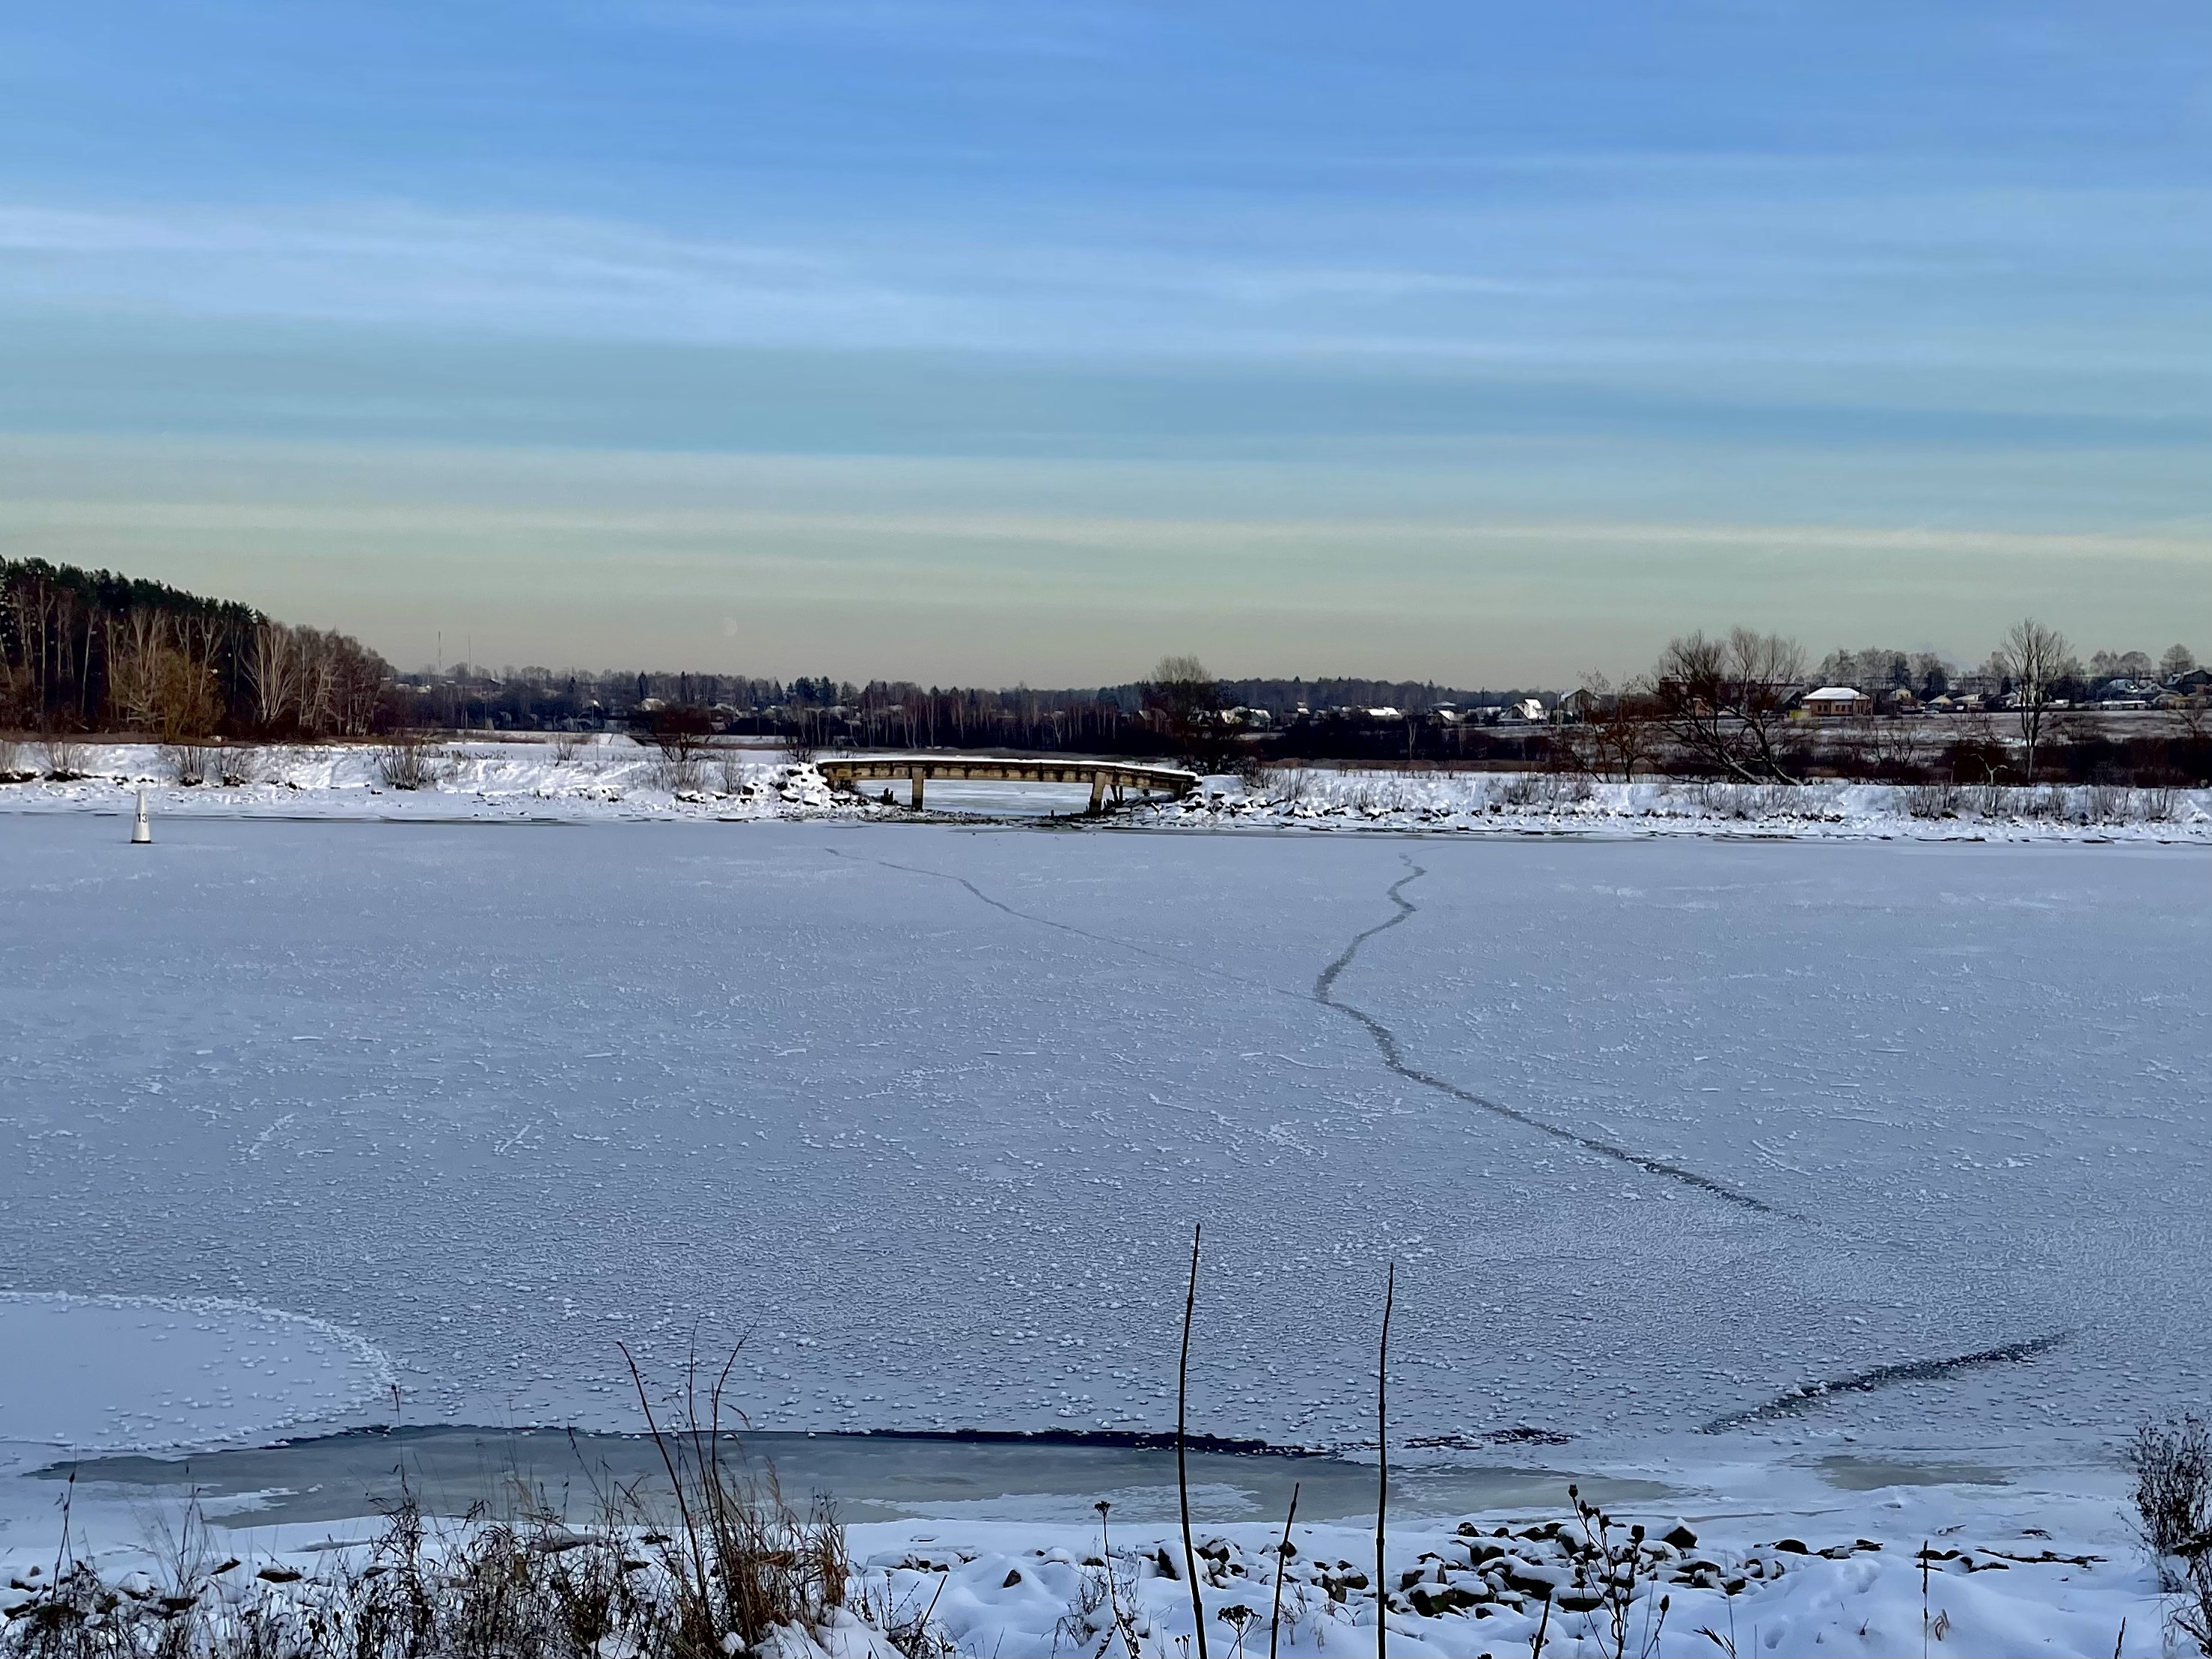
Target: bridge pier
1097,793
916,774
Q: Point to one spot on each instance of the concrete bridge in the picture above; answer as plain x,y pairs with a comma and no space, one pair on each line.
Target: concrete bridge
1118,778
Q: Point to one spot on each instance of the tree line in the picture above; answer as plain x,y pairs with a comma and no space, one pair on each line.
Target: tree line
83,651
94,650
1730,705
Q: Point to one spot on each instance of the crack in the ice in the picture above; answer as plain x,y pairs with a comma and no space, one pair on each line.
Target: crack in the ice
1386,1040
1887,1377
1063,926
1386,1043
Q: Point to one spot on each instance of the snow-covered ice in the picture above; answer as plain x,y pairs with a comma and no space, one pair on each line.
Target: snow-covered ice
930,1112
1660,1131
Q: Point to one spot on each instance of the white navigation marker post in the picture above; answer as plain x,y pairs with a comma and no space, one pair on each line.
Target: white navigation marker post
142,833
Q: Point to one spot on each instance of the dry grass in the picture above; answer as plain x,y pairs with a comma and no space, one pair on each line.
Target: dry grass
739,1572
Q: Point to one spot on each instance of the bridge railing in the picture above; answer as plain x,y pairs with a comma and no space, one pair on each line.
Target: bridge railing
1104,777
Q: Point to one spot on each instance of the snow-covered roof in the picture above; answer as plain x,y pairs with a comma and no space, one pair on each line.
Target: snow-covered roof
1833,693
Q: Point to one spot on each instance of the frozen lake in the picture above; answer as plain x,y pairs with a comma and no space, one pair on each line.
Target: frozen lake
298,1114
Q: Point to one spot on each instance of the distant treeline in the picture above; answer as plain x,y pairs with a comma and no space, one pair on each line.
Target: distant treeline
822,712
84,651
92,651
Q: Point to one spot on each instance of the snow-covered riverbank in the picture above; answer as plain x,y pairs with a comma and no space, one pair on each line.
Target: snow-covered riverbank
2061,1578
618,780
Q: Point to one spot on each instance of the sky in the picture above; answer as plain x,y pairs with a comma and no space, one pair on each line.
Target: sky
970,341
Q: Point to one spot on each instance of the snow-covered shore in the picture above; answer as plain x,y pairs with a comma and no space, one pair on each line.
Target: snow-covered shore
1848,1582
1546,803
620,780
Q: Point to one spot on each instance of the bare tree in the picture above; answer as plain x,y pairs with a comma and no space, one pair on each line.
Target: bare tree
683,735
1613,733
1183,700
1727,700
273,663
134,651
2034,658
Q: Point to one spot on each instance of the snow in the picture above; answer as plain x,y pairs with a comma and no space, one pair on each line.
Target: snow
928,1109
615,778
1457,1587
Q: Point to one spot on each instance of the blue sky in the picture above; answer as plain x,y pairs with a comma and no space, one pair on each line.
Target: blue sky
970,341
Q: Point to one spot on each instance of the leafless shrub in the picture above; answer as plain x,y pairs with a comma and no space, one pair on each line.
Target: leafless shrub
65,759
917,1634
2158,805
2171,1462
566,748
731,771
1620,1569
11,757
409,759
1738,802
2104,803
679,774
1099,1611
1523,789
187,762
683,736
1286,786
1933,800
237,765
1540,792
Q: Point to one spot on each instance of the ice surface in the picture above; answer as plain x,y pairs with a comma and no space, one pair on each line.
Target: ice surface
926,1114
103,1372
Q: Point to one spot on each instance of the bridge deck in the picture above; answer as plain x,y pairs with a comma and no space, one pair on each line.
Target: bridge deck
1118,777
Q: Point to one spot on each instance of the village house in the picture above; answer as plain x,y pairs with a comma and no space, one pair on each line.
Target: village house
1831,701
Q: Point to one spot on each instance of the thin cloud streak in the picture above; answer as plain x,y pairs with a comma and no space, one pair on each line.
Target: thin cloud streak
1685,280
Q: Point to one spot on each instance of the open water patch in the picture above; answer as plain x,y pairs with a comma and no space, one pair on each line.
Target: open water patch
865,1477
